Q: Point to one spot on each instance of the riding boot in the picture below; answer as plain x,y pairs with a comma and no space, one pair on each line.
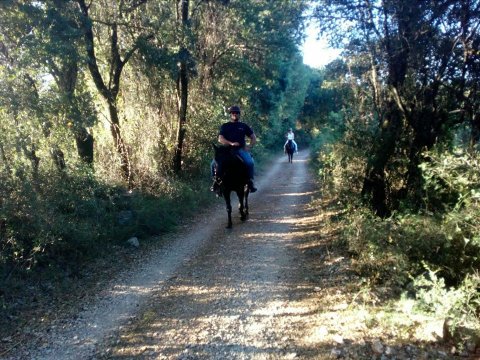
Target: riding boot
251,186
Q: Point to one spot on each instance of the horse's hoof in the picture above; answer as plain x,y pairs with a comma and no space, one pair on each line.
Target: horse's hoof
243,218
229,226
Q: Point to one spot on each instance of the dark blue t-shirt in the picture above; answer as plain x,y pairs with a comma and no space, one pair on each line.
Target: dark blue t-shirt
236,132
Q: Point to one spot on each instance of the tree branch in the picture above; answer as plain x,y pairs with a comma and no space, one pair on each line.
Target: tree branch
92,60
136,5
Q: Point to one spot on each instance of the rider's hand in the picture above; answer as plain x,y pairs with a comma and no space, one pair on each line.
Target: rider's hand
235,144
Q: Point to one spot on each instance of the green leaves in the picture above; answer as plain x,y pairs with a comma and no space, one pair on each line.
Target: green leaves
450,179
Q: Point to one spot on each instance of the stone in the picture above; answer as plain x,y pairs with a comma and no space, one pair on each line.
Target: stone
338,339
377,347
134,242
336,353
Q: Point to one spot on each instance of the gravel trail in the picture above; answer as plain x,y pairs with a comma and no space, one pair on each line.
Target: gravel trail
211,293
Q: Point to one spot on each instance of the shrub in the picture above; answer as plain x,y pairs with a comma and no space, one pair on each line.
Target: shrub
459,307
451,180
444,235
61,220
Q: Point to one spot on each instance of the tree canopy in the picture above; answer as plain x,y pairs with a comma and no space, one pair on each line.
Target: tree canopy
414,71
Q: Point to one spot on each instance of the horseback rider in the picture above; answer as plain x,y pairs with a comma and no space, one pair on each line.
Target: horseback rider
290,136
233,134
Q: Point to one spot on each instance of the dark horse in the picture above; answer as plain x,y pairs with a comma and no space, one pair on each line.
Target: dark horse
234,177
290,149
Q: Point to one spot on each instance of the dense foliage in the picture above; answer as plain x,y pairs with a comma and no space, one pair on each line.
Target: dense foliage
402,153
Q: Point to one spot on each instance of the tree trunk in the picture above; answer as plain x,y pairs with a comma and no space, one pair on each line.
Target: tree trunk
182,92
3,157
475,137
396,44
109,92
66,78
374,186
119,143
84,141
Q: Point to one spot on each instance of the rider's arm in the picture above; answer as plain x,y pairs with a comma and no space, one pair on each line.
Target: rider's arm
222,140
253,139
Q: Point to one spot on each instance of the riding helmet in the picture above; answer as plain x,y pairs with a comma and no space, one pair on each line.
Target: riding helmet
234,109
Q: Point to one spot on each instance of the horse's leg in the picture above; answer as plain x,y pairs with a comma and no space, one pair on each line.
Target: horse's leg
241,197
246,202
226,195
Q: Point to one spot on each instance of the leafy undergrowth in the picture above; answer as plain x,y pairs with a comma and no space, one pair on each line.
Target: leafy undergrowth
425,256
371,319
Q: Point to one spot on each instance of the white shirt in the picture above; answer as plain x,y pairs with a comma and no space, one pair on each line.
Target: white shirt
290,136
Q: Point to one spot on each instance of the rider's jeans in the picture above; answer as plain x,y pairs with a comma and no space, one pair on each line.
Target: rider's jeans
212,167
248,160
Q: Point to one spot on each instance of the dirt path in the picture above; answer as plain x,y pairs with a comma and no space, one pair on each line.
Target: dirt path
238,298
212,293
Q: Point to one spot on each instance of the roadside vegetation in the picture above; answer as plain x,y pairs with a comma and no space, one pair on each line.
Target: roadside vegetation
400,153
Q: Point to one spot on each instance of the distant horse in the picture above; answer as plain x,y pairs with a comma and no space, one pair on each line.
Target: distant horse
290,149
234,177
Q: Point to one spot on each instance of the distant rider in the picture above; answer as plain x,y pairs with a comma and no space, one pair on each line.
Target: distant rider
233,133
290,136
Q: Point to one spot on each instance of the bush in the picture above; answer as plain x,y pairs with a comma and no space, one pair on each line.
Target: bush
61,220
54,219
445,235
339,164
393,250
451,180
459,307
